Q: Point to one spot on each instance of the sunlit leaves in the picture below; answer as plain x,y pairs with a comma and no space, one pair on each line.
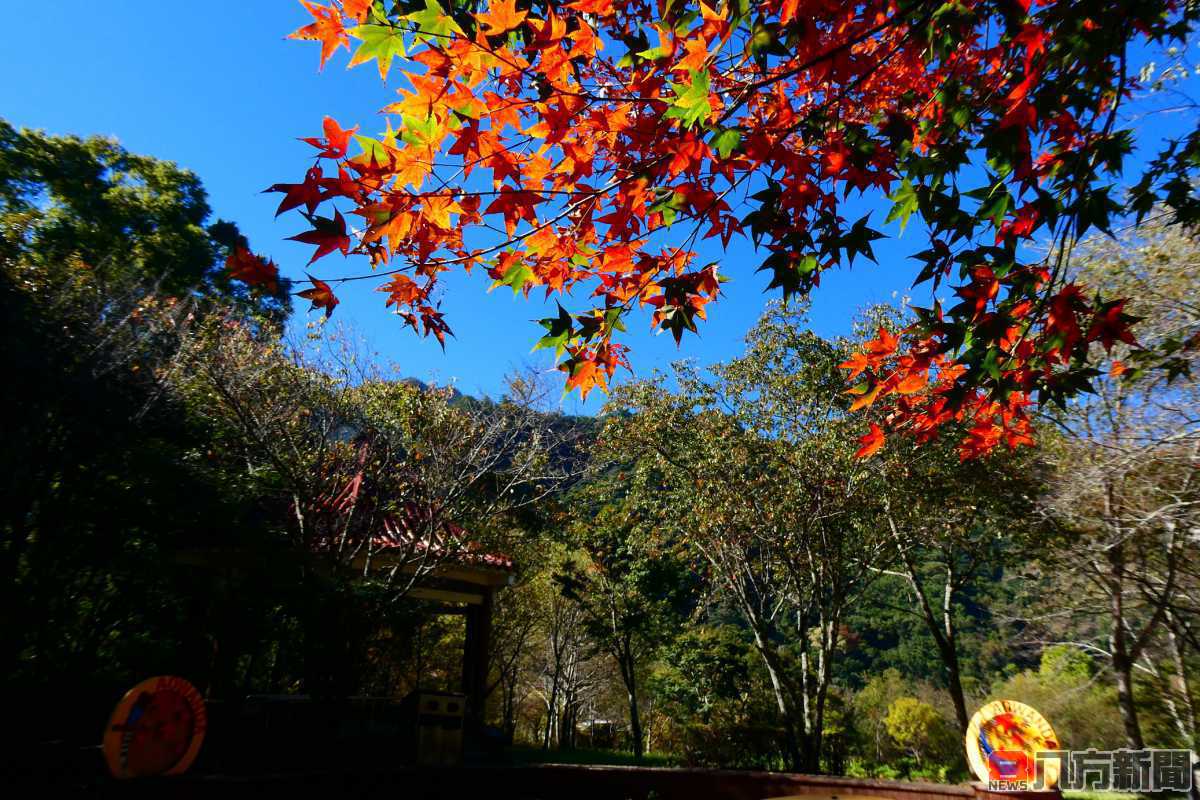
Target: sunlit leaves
870,444
691,104
432,23
904,203
381,43
559,332
335,142
325,28
501,17
591,149
725,141
516,276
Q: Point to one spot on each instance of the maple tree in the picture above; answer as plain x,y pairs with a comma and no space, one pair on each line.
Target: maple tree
591,145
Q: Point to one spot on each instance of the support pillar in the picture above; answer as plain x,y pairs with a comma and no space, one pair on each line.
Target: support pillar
475,663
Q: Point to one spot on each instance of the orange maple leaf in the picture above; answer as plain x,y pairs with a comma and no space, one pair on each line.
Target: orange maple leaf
912,383
325,28
884,344
582,376
871,442
601,8
502,16
857,363
356,9
402,290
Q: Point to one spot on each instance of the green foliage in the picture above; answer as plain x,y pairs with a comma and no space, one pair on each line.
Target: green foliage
917,727
130,219
869,710
379,42
715,699
691,105
1066,663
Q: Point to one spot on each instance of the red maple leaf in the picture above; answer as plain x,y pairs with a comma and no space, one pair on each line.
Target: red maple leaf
515,206
251,269
327,234
320,295
1111,325
336,141
308,194
594,152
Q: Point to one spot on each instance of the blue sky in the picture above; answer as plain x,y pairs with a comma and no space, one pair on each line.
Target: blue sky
216,87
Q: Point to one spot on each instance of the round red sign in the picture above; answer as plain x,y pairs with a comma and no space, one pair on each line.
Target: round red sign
156,729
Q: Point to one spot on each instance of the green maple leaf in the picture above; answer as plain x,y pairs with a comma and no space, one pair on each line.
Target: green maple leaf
904,203
379,42
433,23
515,277
691,106
559,329
857,240
421,132
726,141
670,203
995,207
372,147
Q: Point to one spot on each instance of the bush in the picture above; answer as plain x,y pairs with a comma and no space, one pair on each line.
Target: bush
922,731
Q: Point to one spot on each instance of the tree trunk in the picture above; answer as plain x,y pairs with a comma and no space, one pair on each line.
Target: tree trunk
781,701
1123,671
954,686
510,711
943,631
948,648
1180,685
635,721
816,690
1122,659
550,712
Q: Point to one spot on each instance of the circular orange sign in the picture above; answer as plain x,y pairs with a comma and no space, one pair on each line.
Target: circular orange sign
156,729
1003,742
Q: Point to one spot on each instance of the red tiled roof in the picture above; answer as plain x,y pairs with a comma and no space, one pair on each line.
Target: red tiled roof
397,532
448,540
